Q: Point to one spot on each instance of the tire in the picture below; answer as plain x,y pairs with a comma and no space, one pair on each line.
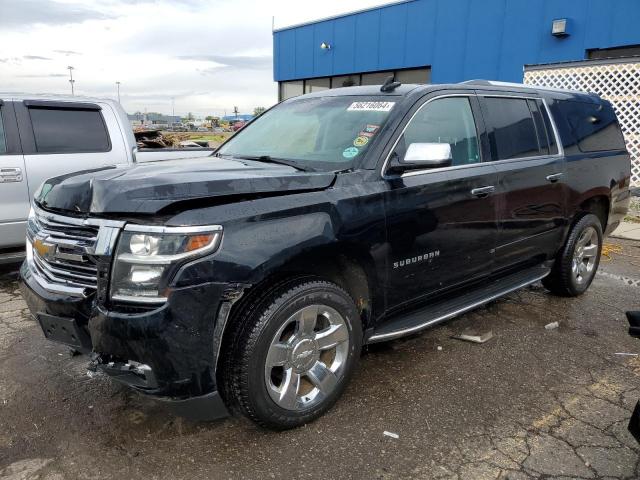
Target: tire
291,352
577,262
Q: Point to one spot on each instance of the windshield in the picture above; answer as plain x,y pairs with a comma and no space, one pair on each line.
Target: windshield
320,133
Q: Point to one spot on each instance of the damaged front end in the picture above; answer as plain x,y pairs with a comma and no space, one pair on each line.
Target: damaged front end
110,288
634,331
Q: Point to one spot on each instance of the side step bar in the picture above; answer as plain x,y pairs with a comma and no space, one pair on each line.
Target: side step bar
437,312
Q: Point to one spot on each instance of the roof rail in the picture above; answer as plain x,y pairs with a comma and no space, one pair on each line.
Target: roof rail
494,83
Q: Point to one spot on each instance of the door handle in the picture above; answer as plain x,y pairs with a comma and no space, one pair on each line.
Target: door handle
554,177
482,192
10,174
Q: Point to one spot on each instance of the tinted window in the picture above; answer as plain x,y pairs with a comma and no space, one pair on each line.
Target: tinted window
448,120
65,130
553,146
541,131
512,131
3,142
595,126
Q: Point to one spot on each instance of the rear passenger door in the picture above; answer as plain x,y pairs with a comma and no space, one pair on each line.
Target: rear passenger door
65,137
14,191
531,193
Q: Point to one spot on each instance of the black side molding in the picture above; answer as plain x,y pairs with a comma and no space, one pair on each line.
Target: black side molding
61,105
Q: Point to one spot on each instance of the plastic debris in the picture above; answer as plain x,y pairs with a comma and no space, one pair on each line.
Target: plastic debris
439,348
474,336
551,326
391,434
626,354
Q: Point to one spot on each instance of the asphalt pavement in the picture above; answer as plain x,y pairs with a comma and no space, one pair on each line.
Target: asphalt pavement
530,403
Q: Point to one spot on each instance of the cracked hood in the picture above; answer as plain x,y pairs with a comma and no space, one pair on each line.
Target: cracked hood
150,187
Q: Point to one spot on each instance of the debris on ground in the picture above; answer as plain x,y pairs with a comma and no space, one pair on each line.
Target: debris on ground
159,139
474,336
391,434
551,326
439,348
624,354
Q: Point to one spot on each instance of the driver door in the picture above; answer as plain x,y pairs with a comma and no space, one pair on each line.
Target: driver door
441,222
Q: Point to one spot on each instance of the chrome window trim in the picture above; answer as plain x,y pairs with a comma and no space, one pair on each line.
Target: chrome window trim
395,144
135,227
560,153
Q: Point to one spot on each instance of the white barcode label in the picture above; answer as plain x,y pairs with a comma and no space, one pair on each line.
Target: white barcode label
371,106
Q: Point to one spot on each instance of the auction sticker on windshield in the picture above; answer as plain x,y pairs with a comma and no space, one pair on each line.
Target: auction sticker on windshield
371,106
350,152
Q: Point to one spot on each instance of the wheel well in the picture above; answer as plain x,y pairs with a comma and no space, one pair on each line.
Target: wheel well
348,270
599,206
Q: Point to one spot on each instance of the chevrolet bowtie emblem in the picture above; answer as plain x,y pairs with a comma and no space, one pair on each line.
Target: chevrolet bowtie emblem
44,249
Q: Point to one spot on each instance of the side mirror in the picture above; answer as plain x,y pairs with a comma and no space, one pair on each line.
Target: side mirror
427,155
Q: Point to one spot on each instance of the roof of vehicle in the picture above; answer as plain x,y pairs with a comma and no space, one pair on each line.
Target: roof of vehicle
53,97
406,89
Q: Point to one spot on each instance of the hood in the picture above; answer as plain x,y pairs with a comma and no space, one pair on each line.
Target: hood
150,187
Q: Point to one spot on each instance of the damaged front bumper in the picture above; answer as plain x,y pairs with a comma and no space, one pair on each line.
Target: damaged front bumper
169,352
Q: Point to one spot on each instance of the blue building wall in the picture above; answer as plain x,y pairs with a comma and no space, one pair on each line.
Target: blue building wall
459,39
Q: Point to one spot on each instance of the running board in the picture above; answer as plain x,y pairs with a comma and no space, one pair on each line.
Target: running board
430,315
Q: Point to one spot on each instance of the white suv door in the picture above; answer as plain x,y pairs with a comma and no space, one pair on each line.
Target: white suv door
14,189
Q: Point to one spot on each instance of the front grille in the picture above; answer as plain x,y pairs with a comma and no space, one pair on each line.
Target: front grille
64,251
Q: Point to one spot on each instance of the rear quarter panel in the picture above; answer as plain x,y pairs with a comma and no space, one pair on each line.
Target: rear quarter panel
604,173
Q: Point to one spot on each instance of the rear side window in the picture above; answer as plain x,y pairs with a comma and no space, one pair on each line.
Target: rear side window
595,126
512,130
67,130
541,131
3,141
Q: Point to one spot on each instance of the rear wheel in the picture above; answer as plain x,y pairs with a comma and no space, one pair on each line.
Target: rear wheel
295,350
577,262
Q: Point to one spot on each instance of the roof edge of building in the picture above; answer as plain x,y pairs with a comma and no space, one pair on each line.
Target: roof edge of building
341,15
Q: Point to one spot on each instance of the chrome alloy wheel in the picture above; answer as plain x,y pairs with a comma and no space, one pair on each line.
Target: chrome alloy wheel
307,357
585,255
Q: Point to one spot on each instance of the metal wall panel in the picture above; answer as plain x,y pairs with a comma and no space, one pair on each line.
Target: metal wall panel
460,39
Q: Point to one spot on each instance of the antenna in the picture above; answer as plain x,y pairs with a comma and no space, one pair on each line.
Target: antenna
390,84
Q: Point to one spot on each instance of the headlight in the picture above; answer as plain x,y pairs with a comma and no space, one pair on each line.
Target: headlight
146,254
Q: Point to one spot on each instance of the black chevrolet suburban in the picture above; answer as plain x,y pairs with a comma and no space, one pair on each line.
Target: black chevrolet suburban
250,280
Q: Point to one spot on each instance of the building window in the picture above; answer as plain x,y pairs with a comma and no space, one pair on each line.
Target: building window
617,52
345,81
416,75
376,78
317,85
291,89
310,85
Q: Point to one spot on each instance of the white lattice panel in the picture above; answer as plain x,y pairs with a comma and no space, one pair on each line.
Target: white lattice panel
617,82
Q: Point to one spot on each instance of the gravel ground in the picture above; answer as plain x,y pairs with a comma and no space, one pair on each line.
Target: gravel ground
530,403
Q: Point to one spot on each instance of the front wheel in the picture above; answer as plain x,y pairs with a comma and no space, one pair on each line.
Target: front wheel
295,350
576,264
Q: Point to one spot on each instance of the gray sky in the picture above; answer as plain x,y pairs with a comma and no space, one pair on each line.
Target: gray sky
208,54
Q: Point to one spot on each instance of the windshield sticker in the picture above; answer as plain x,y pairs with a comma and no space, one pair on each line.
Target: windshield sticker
360,141
371,106
372,129
350,152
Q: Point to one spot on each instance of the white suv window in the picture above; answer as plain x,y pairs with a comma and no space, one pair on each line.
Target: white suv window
3,142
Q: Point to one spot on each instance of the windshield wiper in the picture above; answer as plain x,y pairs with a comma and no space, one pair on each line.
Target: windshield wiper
278,161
